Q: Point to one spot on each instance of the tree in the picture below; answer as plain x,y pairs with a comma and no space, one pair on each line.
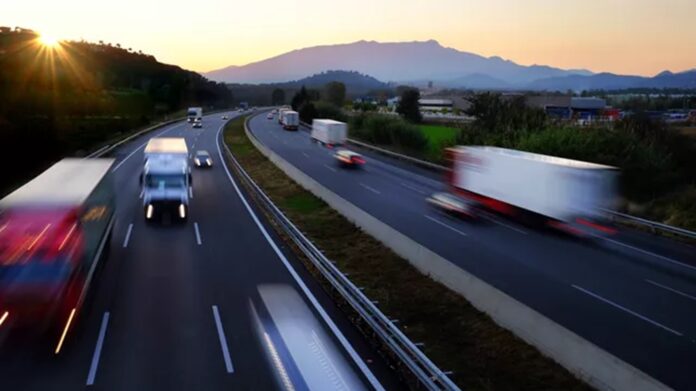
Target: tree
299,98
277,97
335,93
408,105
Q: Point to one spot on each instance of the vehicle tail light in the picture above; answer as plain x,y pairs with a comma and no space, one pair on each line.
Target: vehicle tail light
596,226
358,160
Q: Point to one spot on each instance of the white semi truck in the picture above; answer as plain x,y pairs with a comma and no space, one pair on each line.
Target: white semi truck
194,114
568,194
166,179
290,120
329,132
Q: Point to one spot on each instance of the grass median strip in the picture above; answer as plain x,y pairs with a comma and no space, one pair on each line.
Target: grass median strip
456,336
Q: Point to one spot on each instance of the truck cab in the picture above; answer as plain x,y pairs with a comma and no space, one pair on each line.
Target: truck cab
166,180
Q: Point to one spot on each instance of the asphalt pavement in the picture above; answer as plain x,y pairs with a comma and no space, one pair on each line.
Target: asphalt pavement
198,306
633,294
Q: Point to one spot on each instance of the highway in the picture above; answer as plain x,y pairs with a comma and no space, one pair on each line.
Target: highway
633,295
216,303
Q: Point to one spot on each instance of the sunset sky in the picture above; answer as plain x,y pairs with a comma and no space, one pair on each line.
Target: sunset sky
622,36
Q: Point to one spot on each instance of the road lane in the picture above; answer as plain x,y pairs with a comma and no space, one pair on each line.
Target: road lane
537,267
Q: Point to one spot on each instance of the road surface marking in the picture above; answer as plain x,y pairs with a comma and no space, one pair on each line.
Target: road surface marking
651,253
142,193
128,235
97,350
500,223
223,341
305,155
645,318
300,283
370,188
198,234
445,225
411,187
140,147
190,191
688,296
330,168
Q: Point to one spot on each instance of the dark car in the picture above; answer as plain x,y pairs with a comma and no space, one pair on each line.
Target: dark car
202,159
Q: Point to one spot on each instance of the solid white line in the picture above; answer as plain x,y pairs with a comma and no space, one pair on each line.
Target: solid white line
140,147
688,296
411,187
315,303
97,350
445,225
128,235
198,234
370,188
652,253
223,340
645,318
330,168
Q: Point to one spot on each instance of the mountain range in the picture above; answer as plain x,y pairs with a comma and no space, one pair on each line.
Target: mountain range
423,61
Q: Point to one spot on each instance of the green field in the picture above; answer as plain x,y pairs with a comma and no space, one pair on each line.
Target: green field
438,137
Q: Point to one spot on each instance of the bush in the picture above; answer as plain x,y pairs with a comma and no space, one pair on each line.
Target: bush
385,130
328,110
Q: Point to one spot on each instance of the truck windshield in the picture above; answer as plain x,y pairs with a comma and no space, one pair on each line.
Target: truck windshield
159,181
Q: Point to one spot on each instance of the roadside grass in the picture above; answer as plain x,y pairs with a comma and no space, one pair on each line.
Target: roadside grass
439,137
457,337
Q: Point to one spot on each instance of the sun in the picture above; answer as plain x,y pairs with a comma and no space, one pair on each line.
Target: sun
48,40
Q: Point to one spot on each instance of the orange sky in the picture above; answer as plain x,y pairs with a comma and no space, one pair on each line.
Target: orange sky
622,36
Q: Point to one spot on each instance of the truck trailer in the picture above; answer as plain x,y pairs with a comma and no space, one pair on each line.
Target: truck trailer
54,231
290,120
194,114
166,179
329,132
567,194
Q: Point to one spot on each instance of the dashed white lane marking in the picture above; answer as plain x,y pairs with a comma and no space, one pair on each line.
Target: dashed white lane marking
652,254
305,155
198,234
370,188
128,235
413,188
500,223
223,341
97,350
445,225
688,296
622,308
139,148
190,191
330,168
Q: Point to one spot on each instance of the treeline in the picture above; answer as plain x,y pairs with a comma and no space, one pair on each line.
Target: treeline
70,97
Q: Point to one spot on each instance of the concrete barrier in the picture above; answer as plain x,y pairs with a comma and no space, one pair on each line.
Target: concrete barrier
597,367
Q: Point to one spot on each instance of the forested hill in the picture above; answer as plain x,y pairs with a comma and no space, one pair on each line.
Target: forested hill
56,100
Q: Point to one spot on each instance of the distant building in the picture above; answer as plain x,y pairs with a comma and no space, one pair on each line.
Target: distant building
569,107
433,104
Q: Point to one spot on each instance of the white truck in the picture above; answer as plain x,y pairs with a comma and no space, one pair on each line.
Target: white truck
194,114
567,194
290,120
166,179
329,132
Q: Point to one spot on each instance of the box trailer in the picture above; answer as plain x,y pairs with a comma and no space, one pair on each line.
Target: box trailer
166,179
194,114
569,194
290,120
329,132
54,231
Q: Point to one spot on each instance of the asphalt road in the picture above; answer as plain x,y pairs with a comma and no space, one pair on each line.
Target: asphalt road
216,303
634,294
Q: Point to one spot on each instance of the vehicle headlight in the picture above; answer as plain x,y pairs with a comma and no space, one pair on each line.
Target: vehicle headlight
208,161
182,211
150,210
198,161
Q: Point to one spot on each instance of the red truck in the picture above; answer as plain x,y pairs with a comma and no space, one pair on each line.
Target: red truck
53,232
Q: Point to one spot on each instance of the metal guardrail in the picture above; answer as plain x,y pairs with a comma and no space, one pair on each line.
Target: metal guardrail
424,370
653,225
110,147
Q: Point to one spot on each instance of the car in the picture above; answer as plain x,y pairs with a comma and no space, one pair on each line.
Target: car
269,116
225,117
347,158
198,124
202,159
451,204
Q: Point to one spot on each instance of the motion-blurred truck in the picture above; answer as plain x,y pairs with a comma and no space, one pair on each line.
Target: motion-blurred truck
567,194
280,114
290,120
166,179
54,231
194,114
329,132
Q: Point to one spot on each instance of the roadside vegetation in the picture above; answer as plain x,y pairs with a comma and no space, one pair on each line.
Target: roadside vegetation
459,338
73,97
